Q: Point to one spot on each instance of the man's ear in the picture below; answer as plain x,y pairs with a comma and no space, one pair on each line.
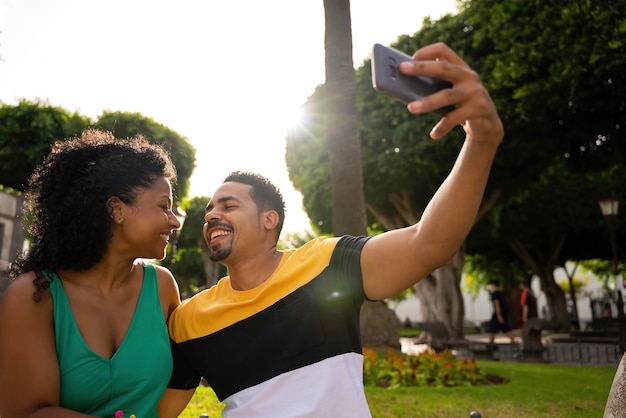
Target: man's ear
270,219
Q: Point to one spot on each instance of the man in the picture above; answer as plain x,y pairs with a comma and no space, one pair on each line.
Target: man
500,314
528,303
280,336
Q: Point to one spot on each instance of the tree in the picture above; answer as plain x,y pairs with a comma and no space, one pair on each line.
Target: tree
344,152
557,70
540,204
27,132
124,125
343,134
544,167
307,158
402,172
294,239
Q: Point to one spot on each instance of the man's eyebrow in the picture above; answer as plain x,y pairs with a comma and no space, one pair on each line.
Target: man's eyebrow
224,199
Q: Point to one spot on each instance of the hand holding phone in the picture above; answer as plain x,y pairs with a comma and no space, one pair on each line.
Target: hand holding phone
387,78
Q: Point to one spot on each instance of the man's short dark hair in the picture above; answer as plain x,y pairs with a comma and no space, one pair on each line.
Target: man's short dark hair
263,192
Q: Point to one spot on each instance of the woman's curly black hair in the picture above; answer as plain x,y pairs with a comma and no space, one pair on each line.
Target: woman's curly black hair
67,195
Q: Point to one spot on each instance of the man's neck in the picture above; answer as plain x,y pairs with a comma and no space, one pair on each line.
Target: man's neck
251,273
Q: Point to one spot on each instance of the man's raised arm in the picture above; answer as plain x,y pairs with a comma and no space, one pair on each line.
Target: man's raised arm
395,260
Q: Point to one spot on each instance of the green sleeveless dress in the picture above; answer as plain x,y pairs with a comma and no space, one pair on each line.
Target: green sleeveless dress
134,378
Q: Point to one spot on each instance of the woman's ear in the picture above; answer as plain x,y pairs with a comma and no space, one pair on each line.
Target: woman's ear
115,208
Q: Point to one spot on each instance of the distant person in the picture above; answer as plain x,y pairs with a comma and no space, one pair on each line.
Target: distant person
573,316
528,303
279,337
83,324
500,313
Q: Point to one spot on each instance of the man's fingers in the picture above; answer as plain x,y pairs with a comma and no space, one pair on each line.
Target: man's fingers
439,52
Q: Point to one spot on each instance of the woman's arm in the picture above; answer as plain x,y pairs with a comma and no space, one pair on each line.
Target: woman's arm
29,382
174,402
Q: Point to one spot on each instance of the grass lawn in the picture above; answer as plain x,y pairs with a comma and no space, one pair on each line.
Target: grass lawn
533,390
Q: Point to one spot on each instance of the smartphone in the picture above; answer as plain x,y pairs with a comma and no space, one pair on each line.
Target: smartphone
387,78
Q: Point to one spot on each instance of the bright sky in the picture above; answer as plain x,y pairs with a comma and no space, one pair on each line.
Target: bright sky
228,75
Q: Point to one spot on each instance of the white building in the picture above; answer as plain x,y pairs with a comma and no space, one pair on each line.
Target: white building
478,307
12,233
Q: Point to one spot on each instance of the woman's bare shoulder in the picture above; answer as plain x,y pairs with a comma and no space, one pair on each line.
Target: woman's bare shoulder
168,289
23,293
26,315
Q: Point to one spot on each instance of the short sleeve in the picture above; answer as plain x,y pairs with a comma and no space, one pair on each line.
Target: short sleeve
184,375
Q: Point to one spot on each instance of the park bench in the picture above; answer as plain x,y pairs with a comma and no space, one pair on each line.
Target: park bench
532,345
437,336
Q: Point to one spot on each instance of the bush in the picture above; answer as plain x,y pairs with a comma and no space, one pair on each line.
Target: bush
397,369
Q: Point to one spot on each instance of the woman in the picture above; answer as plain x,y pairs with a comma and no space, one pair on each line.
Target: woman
82,325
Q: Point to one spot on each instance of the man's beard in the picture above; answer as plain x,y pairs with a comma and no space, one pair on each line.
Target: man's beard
220,254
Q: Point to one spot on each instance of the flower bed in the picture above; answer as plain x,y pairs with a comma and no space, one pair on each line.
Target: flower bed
428,368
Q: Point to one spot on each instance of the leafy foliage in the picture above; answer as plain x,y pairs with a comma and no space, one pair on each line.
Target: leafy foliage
191,232
124,125
27,132
555,72
189,266
294,239
562,64
188,270
508,269
563,111
307,161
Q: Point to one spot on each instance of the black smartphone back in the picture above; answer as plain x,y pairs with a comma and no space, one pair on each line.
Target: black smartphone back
387,78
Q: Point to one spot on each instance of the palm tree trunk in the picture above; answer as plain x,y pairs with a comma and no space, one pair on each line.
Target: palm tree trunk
344,141
379,325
